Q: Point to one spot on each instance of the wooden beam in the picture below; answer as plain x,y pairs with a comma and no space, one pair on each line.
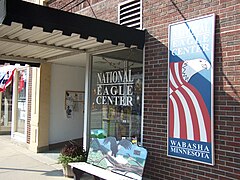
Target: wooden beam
106,48
13,58
58,57
41,45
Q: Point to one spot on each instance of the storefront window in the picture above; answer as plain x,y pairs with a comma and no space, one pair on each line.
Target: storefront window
116,98
6,110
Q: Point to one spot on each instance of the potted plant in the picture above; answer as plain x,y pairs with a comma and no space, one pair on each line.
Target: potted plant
71,152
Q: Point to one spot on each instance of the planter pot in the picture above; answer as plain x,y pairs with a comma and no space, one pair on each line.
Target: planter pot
67,171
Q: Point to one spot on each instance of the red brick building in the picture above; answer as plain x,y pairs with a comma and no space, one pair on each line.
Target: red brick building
157,15
155,19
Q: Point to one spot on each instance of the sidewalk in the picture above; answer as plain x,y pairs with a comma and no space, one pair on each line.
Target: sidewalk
18,163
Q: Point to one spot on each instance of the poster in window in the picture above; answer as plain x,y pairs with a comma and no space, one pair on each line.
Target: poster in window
73,102
190,90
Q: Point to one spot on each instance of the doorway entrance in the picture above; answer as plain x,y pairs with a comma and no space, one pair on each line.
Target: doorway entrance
20,104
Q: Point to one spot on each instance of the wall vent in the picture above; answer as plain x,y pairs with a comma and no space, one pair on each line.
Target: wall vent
130,13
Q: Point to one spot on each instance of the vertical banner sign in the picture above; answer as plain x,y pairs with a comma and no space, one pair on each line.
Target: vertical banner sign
190,90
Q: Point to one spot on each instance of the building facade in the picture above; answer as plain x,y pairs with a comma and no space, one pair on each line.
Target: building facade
156,17
64,106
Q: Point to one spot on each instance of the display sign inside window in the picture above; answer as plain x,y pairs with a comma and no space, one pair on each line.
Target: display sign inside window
115,88
73,102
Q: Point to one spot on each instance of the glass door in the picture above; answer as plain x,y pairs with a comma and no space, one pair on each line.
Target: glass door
20,105
22,102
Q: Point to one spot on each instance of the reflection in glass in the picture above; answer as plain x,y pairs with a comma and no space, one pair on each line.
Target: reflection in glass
116,99
6,110
22,102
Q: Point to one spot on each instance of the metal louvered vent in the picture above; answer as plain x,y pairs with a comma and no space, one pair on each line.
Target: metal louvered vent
130,13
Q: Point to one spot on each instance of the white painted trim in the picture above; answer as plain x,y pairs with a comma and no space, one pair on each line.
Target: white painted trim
14,134
42,45
87,101
14,104
27,88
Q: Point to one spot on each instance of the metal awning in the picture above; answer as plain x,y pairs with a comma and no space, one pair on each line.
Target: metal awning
33,33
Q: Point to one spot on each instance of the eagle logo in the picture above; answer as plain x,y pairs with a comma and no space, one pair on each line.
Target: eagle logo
188,115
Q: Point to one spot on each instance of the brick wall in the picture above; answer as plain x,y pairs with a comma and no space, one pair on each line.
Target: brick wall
157,15
100,9
29,106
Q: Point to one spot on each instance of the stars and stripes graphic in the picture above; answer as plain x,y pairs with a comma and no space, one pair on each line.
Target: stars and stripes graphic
6,77
188,115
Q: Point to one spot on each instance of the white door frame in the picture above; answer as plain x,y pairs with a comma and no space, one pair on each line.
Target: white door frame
14,134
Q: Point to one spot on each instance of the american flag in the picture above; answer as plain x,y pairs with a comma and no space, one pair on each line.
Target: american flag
188,115
6,76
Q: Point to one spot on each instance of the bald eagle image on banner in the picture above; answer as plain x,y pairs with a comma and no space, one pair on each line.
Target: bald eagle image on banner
190,90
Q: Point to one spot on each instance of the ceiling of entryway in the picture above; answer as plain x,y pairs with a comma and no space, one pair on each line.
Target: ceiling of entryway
32,33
